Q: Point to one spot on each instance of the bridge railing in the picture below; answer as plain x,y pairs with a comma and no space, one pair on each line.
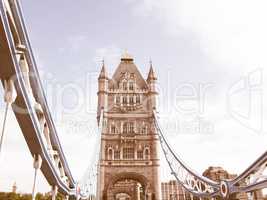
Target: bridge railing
191,181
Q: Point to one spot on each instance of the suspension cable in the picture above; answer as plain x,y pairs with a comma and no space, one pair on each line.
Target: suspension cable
194,183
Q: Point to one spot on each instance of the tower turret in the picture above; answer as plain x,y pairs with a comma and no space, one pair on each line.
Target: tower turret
102,90
151,82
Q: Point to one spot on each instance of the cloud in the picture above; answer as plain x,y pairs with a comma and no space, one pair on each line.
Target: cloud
77,41
231,33
78,136
233,36
111,55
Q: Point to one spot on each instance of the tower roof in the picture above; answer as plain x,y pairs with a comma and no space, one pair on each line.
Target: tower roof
151,74
103,73
127,65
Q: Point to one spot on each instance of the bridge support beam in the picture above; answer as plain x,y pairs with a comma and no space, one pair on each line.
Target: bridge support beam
37,163
54,192
10,95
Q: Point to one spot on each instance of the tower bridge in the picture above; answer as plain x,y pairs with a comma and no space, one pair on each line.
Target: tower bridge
130,136
129,143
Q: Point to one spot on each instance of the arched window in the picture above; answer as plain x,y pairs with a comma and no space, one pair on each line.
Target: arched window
144,128
140,155
138,99
113,129
146,152
110,153
124,100
124,85
128,153
131,100
131,86
125,127
117,155
118,99
105,123
131,129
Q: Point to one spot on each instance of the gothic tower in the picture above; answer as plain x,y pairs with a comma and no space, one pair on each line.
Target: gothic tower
129,160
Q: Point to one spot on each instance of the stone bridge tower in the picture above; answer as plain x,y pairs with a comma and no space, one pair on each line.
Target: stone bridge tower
129,160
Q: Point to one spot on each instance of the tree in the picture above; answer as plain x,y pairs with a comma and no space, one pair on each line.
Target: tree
39,196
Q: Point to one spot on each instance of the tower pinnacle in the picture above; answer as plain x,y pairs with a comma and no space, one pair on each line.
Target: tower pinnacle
151,74
103,73
126,56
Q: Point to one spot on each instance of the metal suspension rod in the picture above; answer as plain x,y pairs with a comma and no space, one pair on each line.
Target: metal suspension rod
34,184
37,163
10,95
4,127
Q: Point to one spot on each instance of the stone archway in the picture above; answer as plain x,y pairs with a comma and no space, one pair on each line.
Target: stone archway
126,186
122,196
133,184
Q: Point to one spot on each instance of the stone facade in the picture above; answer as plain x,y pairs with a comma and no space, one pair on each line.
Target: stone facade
173,191
129,160
217,174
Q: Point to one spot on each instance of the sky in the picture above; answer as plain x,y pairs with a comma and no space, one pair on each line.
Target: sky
211,65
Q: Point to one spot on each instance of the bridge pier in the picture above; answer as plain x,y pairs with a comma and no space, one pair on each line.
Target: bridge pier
54,192
37,163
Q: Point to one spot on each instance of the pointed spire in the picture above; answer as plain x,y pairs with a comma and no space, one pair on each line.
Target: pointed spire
103,73
151,74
